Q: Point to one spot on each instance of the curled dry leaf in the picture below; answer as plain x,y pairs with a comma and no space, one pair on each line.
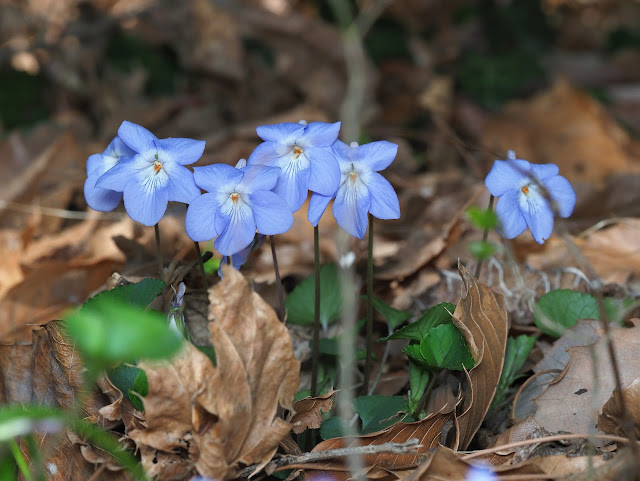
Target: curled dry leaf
587,382
610,419
482,319
225,416
308,411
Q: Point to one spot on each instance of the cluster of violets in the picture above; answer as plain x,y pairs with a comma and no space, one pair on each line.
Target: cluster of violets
258,195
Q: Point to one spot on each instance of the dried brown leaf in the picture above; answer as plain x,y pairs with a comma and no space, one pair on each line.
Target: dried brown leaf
610,420
568,404
482,318
308,411
446,465
428,431
225,416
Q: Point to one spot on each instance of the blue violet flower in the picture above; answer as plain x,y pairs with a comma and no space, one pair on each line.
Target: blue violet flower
521,188
301,151
155,175
240,258
238,202
104,200
362,190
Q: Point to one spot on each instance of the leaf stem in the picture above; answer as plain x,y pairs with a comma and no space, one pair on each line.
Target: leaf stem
159,250
485,235
281,311
422,403
20,461
369,351
202,271
316,313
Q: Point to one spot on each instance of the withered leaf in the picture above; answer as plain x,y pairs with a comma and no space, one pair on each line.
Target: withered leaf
308,411
225,416
587,382
482,318
428,431
610,420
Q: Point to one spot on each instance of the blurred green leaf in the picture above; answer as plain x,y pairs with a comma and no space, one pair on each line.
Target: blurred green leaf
140,294
109,332
394,317
560,309
482,218
431,318
482,249
334,427
301,301
418,381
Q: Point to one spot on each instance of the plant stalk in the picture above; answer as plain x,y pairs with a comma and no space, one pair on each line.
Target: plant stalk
485,235
281,310
159,249
315,355
369,352
202,271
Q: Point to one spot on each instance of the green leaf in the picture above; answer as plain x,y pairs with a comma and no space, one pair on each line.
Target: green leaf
140,294
413,352
445,348
517,352
330,347
482,249
431,318
300,303
559,310
482,218
210,352
110,332
418,381
140,389
334,427
394,317
379,412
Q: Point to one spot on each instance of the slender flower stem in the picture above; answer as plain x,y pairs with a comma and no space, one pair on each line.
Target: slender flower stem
485,235
159,249
367,362
278,280
316,313
202,271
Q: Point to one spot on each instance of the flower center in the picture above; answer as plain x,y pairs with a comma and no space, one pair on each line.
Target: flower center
297,150
157,166
353,176
234,196
525,189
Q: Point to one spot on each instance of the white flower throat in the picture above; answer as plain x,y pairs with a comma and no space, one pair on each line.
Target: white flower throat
297,151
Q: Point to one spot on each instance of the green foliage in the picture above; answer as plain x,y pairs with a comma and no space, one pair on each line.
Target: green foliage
418,381
140,294
212,265
132,382
128,52
517,352
482,249
482,218
394,317
560,309
330,347
112,327
436,315
334,427
22,99
301,301
379,412
443,347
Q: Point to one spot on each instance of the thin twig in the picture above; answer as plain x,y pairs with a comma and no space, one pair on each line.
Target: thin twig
545,439
407,447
